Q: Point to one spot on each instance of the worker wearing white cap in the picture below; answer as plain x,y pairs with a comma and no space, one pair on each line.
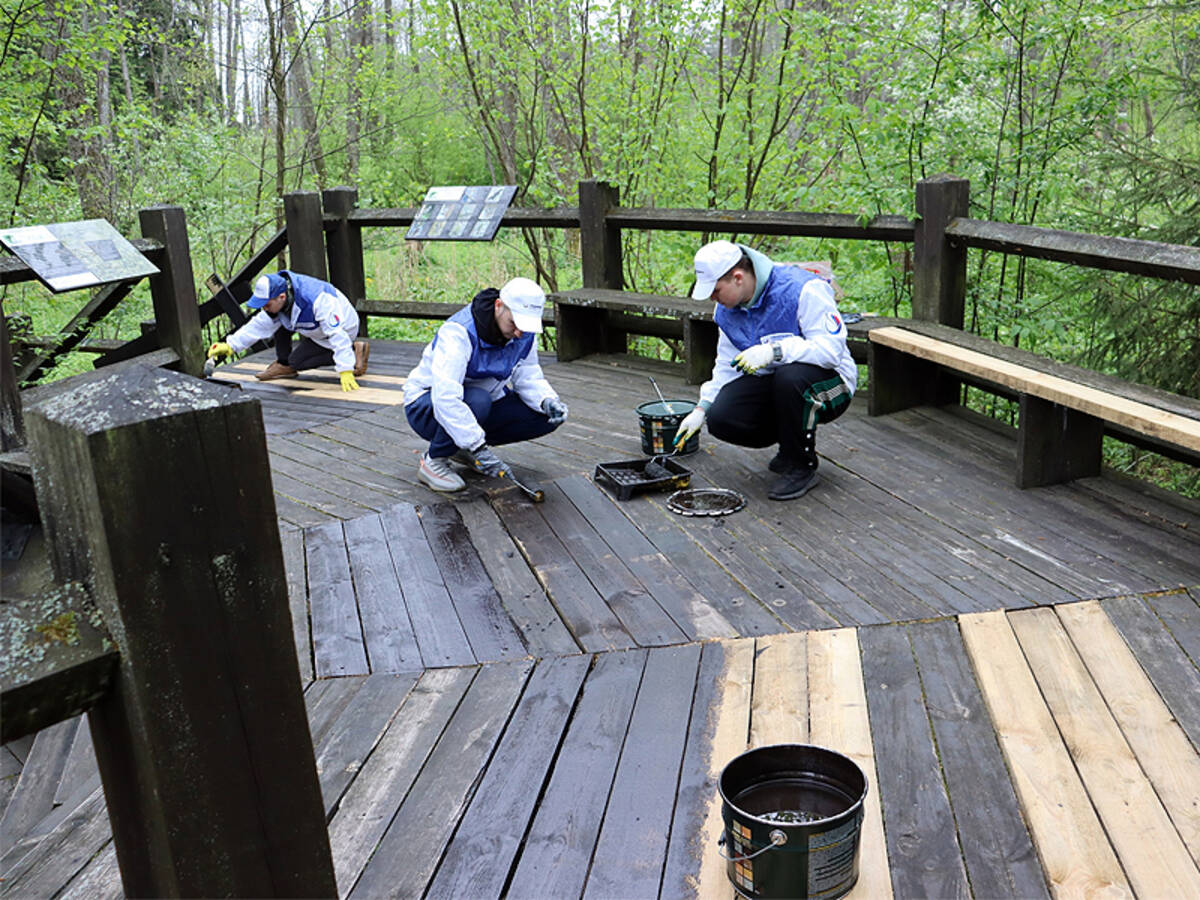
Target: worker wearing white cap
288,303
783,365
479,385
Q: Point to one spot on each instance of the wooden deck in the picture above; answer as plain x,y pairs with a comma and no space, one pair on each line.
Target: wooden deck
510,699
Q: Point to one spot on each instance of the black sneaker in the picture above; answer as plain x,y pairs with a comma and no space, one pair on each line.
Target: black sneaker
792,484
779,464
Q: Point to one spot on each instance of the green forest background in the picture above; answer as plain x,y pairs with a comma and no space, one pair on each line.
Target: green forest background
1076,115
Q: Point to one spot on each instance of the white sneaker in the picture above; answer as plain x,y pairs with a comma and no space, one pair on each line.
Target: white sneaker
437,474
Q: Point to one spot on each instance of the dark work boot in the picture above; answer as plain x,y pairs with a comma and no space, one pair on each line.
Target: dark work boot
798,476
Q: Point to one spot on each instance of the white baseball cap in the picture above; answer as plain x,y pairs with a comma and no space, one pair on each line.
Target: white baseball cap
712,261
526,301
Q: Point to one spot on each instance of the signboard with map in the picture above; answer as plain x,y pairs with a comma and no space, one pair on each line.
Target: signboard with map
461,213
70,255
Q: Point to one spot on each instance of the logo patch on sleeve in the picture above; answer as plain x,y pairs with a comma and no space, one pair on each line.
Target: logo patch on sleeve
833,323
335,321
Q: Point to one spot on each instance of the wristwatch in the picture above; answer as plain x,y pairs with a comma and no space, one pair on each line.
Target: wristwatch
777,351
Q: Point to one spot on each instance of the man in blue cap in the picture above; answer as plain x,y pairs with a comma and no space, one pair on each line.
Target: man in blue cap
479,383
783,364
290,303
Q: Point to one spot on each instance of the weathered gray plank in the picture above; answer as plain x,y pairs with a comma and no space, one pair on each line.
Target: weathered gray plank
478,859
487,625
387,630
439,633
80,765
33,798
100,879
995,841
1180,613
388,774
292,543
632,846
336,631
431,810
61,854
559,845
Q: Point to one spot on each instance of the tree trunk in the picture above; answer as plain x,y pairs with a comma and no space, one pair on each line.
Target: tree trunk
300,83
358,48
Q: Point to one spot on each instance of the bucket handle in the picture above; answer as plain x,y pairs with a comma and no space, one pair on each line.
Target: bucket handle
778,839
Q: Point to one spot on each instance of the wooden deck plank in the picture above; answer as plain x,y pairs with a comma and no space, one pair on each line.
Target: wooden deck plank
353,480
1162,749
358,729
923,849
1151,852
560,841
1180,613
679,541
325,700
64,852
632,846
100,879
629,599
591,622
1071,844
542,631
440,635
292,544
1175,676
995,842
838,719
33,798
718,732
779,713
81,765
387,776
671,589
297,515
330,504
489,630
482,851
338,647
387,630
328,478
427,817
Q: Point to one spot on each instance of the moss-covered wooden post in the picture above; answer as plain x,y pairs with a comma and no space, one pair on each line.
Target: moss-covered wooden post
306,233
173,289
156,495
344,246
12,425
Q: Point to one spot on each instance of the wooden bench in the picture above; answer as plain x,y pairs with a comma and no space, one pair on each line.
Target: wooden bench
597,320
1064,412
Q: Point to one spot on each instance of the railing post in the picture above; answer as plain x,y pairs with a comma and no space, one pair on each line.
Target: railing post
306,233
939,269
12,424
173,289
345,250
155,494
582,330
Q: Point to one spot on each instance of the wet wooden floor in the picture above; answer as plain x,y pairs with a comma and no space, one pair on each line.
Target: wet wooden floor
510,699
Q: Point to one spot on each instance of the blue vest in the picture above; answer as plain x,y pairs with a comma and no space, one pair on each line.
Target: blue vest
774,314
306,289
488,360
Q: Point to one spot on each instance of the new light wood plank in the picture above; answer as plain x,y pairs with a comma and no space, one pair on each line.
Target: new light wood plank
838,720
779,713
1075,854
1150,849
1110,407
1161,747
325,384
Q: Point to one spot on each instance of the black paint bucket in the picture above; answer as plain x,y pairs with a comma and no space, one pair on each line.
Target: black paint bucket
659,421
793,820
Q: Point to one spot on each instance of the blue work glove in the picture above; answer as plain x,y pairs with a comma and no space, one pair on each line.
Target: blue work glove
754,358
690,425
489,463
555,409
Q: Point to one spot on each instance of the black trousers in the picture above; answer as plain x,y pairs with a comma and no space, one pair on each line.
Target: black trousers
307,354
782,407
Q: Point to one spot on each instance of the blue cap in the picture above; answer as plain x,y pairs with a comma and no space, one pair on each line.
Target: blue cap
265,288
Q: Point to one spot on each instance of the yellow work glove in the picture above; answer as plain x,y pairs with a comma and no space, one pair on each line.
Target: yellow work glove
220,350
690,425
753,358
348,382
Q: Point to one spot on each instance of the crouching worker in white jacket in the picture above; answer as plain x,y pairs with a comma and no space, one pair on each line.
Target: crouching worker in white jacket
479,385
290,303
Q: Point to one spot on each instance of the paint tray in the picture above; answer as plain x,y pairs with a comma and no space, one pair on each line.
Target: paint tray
627,478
